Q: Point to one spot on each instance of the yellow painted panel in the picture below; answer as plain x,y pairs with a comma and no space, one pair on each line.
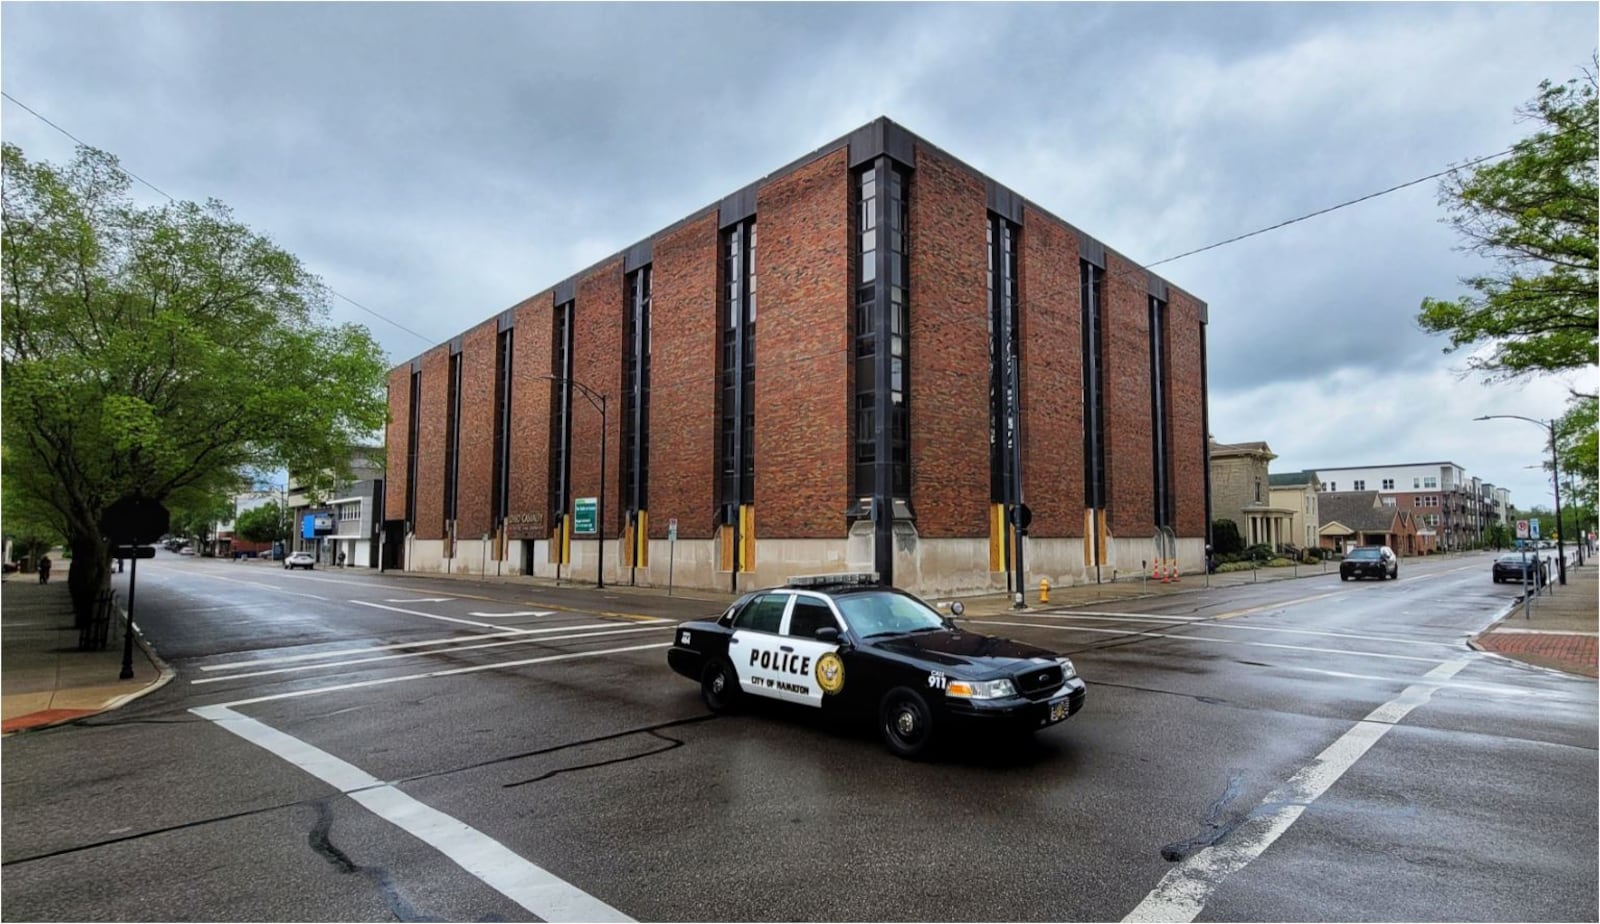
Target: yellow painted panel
641,555
997,537
747,537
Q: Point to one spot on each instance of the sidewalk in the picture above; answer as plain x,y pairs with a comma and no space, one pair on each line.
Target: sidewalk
44,679
1561,630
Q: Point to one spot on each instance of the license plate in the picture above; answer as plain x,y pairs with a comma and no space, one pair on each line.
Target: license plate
1058,711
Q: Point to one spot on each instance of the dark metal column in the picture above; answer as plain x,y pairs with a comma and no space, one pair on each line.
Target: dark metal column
883,410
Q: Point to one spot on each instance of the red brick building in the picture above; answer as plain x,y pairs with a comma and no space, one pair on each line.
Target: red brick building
863,360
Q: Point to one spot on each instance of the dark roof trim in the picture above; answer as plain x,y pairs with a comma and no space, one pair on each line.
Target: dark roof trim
636,256
880,137
506,321
1003,202
1089,249
566,290
737,207
1158,286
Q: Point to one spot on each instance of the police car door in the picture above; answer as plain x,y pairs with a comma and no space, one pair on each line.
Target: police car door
755,646
819,672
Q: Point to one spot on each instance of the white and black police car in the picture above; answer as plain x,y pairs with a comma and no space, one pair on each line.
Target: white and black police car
846,643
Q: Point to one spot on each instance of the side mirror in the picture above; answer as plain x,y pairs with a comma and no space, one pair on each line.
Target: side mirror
956,609
828,634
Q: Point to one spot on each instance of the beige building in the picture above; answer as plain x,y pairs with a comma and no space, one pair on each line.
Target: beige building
1241,491
1298,490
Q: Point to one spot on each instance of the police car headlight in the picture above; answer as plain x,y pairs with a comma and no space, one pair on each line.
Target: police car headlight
1067,670
981,689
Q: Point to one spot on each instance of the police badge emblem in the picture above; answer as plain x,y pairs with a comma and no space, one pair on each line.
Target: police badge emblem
830,673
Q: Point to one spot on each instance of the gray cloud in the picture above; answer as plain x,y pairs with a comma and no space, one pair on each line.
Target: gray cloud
439,162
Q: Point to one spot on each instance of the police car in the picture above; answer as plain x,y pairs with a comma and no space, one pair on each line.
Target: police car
846,643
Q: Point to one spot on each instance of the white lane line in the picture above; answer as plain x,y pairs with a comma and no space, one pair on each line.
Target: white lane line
1243,627
465,622
450,672
1220,641
372,649
516,613
1182,893
522,639
271,587
423,600
536,889
343,652
1112,614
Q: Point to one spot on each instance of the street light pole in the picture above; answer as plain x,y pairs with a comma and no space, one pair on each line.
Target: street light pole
598,402
1555,483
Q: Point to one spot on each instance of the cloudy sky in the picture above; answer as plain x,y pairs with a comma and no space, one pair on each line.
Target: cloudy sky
437,163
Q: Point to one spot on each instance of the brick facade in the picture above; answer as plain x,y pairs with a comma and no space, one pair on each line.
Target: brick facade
803,349
685,330
1130,483
804,393
949,349
597,363
430,443
476,468
1186,404
530,409
1052,376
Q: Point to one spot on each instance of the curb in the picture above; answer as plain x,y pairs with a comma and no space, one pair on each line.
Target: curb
55,718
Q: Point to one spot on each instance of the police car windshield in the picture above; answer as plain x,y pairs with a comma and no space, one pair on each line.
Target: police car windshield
881,613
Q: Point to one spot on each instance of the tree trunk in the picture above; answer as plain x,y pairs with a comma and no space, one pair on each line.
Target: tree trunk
88,576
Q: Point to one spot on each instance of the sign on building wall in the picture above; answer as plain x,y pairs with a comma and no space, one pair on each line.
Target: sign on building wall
583,515
525,526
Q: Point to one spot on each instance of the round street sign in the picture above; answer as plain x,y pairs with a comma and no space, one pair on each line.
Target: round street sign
135,521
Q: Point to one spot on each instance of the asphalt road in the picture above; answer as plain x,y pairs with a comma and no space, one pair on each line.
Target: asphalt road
344,746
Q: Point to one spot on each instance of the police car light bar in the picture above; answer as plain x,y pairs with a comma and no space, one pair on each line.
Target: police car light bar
859,578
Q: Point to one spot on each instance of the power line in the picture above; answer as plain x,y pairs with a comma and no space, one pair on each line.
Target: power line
1331,208
130,174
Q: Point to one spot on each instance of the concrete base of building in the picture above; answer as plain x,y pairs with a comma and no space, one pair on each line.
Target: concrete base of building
928,567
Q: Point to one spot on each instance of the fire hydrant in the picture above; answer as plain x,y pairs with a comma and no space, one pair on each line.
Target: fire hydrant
1044,590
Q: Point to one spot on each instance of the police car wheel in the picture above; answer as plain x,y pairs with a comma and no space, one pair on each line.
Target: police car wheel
906,722
719,688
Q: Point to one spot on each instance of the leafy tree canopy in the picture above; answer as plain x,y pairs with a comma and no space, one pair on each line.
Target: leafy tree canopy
1534,215
265,523
159,351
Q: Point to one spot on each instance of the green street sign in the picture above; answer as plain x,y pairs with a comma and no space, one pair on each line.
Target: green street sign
583,515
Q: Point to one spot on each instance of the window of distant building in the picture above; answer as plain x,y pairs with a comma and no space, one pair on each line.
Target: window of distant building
1388,484
1361,485
1430,482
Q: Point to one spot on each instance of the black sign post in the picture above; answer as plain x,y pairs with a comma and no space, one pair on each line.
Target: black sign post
134,521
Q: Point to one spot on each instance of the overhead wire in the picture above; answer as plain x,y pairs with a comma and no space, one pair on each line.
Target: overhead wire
134,176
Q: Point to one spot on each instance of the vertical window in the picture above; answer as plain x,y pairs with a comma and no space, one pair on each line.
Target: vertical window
560,410
452,438
866,332
1004,357
1160,392
412,458
882,329
1388,484
737,417
500,481
636,391
1361,485
1094,419
899,337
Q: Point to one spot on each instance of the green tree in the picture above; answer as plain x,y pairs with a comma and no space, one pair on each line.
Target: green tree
1579,451
1497,536
265,523
1534,215
1225,539
158,351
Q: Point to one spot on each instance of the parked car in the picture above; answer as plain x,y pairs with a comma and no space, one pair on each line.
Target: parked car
1377,561
1521,568
186,550
844,643
300,560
